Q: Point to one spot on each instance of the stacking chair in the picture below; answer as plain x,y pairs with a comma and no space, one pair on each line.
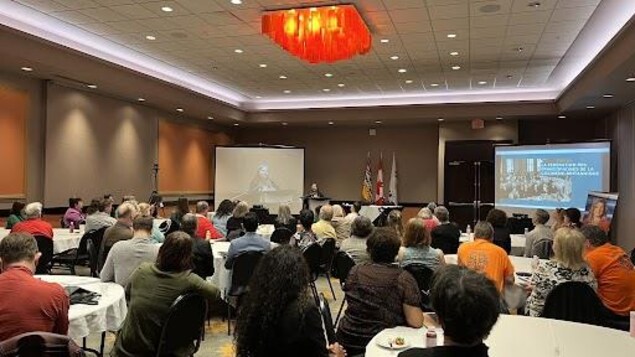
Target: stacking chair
327,319
422,275
243,268
313,256
75,256
40,344
343,265
184,325
45,246
574,301
326,261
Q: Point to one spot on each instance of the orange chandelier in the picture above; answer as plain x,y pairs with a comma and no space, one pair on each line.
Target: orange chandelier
319,34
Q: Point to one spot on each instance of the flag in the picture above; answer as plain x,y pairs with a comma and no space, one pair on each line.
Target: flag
392,189
367,184
379,191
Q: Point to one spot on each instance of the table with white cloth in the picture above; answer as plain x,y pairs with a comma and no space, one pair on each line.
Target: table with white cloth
373,212
107,315
63,239
518,242
522,336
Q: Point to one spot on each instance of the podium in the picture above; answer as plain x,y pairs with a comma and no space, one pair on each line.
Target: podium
312,203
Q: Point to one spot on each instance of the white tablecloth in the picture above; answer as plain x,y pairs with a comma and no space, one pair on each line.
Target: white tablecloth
373,211
221,275
518,242
108,315
63,239
521,336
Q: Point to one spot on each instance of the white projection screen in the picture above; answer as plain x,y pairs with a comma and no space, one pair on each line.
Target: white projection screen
267,176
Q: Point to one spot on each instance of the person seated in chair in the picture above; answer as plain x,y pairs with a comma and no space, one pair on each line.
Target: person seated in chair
502,238
467,306
122,230
446,235
206,229
323,228
28,304
249,242
33,224
416,246
539,233
356,246
100,217
74,215
202,254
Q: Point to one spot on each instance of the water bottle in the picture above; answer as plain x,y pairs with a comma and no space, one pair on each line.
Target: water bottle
71,227
468,232
526,231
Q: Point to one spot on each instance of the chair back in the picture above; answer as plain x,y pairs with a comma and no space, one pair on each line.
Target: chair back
543,248
173,226
184,325
313,256
328,254
281,235
343,265
242,269
633,256
45,246
423,276
327,319
93,257
35,344
573,301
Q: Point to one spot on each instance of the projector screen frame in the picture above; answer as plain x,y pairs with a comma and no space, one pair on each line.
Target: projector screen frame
260,146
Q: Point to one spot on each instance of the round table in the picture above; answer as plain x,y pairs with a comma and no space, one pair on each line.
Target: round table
63,239
107,315
221,275
522,336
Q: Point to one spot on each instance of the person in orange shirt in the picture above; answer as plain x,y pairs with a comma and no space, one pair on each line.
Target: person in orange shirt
485,257
613,270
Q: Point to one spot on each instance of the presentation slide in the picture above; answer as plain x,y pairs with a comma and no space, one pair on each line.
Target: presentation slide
550,176
260,176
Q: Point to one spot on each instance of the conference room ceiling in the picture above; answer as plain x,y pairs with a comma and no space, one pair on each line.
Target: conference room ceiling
507,50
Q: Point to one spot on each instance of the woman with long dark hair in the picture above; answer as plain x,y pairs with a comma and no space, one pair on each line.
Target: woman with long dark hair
16,214
278,316
222,214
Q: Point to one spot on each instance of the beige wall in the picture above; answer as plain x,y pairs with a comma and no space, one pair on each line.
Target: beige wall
335,157
462,130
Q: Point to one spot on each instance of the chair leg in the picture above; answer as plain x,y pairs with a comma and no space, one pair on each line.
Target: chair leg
339,313
328,278
314,291
103,343
229,319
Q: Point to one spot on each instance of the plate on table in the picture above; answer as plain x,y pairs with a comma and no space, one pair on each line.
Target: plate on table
393,342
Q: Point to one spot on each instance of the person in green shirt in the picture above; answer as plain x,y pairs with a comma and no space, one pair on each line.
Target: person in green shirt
15,215
152,289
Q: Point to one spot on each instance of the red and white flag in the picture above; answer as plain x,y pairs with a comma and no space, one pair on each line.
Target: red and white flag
379,191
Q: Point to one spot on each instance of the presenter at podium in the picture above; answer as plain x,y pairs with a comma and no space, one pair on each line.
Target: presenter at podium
314,192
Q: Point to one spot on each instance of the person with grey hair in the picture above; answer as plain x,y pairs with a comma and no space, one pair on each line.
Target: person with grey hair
122,230
205,228
430,220
483,256
538,235
355,245
323,228
33,224
446,235
127,255
28,304
202,254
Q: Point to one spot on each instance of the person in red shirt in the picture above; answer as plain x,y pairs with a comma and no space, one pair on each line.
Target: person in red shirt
33,224
204,224
28,304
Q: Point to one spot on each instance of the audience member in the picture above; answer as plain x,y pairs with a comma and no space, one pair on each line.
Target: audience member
285,219
146,210
356,245
467,306
222,214
100,217
355,208
202,254
323,228
156,202
502,238
567,265
430,221
74,215
249,242
572,217
33,224
558,219
304,236
127,255
380,295
111,199
341,225
182,208
235,222
539,234
446,236
485,257
16,214
279,316
416,246
206,229
395,222
122,230
152,290
613,270
28,304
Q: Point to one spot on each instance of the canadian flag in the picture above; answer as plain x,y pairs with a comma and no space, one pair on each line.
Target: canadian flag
379,191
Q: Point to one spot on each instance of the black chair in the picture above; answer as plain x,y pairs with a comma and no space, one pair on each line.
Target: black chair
173,226
45,246
281,235
40,344
243,268
326,261
76,256
313,256
343,264
327,319
573,301
422,275
184,325
633,256
93,258
543,248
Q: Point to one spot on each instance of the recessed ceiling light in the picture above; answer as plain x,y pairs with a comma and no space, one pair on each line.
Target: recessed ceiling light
286,91
607,95
562,116
180,110
440,119
384,40
499,118
456,68
328,75
167,9
394,58
262,65
451,35
238,50
409,81
402,70
519,49
284,123
482,82
341,85
150,38
377,121
27,69
91,86
326,90
210,117
454,53
236,124
630,79
534,4
331,123
258,97
590,106
141,100
236,2
509,76
434,84
282,76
